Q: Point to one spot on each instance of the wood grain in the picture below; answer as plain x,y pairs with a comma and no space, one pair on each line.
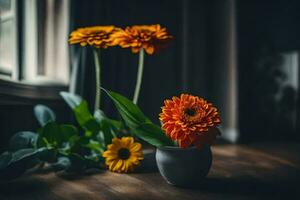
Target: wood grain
269,171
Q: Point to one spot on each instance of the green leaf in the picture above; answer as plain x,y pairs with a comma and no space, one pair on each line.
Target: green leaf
99,115
5,159
117,125
42,141
85,118
107,132
152,134
54,135
131,114
79,146
23,139
81,111
67,131
139,124
72,100
15,164
109,128
95,145
92,126
44,114
49,135
63,163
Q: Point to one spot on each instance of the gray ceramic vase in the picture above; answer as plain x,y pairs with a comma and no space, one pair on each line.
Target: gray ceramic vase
184,167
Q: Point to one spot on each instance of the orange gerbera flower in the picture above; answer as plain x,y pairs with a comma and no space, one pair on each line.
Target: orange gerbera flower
190,120
149,37
96,36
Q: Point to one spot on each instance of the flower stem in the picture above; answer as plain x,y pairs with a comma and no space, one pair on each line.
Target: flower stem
139,77
96,53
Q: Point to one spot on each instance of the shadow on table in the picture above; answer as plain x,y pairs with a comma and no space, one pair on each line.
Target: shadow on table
249,186
23,185
31,182
148,165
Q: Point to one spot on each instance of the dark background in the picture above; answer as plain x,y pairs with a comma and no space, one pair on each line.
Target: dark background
266,28
189,64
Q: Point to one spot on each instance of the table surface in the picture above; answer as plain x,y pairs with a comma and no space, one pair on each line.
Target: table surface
261,171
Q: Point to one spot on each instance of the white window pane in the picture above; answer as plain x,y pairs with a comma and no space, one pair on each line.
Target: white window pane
7,47
45,40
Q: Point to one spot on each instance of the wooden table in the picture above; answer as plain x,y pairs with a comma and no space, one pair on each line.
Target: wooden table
262,171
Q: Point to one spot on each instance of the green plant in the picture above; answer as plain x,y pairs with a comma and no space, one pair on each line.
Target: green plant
137,122
60,146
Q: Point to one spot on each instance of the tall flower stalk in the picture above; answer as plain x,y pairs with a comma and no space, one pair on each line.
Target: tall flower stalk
139,77
143,39
97,61
97,37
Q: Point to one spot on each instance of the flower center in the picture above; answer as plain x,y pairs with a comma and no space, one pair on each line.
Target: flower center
190,112
105,36
123,153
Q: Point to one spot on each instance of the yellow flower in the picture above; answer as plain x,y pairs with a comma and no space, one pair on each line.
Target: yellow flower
123,155
149,37
96,36
190,120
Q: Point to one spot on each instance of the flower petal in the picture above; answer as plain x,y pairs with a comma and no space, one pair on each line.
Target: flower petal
121,164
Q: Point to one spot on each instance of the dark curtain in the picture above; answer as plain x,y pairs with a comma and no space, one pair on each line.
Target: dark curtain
200,60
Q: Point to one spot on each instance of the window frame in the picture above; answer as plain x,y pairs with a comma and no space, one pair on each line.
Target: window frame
15,89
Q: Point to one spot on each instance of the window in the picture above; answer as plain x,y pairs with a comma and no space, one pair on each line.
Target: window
8,38
33,41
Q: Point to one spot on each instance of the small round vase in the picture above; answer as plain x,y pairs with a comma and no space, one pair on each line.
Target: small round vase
184,167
